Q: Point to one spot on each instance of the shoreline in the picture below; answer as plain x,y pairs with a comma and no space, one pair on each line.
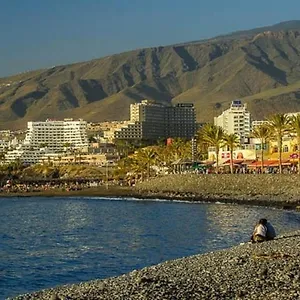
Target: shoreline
268,270
169,196
194,189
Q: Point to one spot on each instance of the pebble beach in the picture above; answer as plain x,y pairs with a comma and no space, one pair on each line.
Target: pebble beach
282,191
269,270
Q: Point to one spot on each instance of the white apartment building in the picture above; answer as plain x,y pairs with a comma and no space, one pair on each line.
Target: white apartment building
54,135
265,122
259,123
236,119
49,137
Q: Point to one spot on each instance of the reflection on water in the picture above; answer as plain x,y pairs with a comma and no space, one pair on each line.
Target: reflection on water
75,215
51,241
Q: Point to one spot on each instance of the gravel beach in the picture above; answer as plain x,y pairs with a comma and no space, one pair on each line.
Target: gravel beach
269,270
282,191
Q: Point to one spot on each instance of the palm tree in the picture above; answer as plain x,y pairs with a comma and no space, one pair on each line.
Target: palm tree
202,147
295,128
67,147
279,125
262,133
213,136
124,147
2,157
145,158
231,141
179,148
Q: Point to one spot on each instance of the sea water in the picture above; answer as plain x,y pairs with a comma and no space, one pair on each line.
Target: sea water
45,242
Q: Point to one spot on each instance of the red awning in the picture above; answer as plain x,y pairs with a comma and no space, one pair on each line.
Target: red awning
283,163
269,163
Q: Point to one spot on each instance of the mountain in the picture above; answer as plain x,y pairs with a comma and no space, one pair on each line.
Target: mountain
259,66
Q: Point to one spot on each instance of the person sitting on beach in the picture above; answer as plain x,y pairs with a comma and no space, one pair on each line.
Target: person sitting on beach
260,232
271,233
263,231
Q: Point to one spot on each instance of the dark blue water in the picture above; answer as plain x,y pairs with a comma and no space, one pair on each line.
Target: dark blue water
46,242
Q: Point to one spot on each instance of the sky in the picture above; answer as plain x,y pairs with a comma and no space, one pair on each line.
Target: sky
38,34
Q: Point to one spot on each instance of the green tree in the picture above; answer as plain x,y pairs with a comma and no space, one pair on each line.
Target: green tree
179,148
2,157
123,166
145,158
164,156
43,145
68,147
124,147
262,133
202,146
295,129
92,139
231,141
279,125
213,136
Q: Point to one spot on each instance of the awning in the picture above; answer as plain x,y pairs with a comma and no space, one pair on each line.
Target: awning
283,163
207,162
269,163
235,161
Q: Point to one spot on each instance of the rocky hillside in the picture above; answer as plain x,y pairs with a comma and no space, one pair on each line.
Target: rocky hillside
261,66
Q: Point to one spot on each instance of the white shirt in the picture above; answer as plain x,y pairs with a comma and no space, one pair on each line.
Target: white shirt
261,230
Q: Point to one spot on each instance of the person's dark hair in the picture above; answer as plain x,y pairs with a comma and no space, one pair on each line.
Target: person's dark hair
263,221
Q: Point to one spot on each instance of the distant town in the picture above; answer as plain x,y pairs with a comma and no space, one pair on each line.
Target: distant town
68,141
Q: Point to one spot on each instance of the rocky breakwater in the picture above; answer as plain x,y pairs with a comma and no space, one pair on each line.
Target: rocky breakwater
254,189
270,270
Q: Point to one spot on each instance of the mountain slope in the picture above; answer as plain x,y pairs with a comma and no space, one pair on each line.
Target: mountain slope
261,67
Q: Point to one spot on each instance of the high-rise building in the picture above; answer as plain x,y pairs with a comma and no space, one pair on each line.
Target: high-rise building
56,134
236,119
49,137
181,120
150,120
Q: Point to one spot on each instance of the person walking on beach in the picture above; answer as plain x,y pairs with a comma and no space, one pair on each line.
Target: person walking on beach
263,231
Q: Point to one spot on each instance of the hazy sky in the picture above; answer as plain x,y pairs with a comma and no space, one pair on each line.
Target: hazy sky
43,33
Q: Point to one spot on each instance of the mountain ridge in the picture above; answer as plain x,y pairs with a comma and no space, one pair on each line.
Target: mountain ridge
209,74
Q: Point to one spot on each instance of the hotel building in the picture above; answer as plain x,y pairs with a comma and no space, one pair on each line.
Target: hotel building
56,134
235,120
50,137
150,120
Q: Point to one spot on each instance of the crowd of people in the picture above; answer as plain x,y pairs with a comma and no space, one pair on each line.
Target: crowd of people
11,186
